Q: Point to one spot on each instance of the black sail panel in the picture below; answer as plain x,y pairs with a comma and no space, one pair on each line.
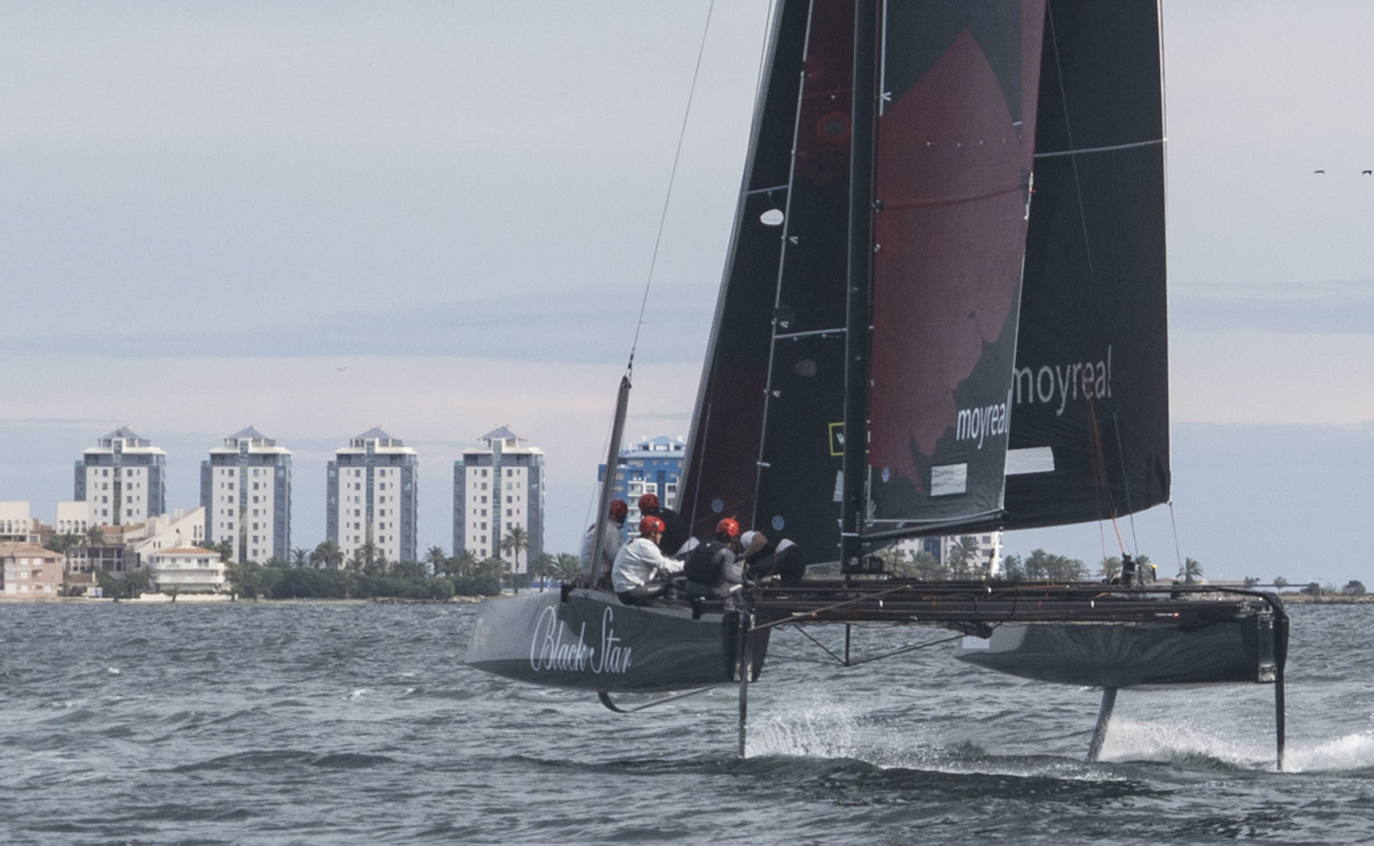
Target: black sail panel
1089,433
800,459
951,187
720,467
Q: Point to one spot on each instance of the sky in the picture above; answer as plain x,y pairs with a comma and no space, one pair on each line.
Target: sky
439,218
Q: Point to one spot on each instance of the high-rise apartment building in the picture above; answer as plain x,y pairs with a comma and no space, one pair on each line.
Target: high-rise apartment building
245,489
496,487
373,496
124,478
653,465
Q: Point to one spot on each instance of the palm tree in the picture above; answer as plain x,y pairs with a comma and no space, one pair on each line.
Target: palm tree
225,548
516,541
1110,568
543,567
327,554
894,560
962,553
567,566
1191,571
300,557
1012,569
435,558
371,559
463,565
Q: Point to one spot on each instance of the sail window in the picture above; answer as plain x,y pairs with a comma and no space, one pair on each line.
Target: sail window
772,217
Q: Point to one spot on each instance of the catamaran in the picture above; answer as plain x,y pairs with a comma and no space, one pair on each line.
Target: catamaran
949,238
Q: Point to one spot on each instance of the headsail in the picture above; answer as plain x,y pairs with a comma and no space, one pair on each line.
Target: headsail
1090,420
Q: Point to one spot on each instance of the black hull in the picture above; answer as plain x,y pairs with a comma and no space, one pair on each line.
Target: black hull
1130,655
589,640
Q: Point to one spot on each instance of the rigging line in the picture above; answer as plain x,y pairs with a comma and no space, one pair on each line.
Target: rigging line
1125,481
802,615
827,650
1178,551
905,649
668,195
1068,134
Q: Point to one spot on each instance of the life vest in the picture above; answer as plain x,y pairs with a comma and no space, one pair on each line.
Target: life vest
702,565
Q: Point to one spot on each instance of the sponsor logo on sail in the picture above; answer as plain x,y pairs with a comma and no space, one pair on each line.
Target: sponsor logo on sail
554,647
1054,385
982,422
1057,385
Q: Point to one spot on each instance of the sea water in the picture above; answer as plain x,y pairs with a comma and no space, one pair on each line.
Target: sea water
283,723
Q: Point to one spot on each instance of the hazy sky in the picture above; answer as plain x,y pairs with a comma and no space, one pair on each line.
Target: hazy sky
438,217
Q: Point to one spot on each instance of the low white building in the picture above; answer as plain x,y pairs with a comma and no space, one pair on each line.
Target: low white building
186,568
16,522
171,531
73,518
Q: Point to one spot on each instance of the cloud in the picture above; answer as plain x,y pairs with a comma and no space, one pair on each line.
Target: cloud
576,326
1332,308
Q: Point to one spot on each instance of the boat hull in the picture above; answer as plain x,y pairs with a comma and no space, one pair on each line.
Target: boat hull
1139,654
588,640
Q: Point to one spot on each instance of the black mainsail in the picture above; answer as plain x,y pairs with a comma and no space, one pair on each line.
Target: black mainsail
1015,340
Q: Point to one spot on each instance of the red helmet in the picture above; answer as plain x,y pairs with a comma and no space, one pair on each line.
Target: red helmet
729,527
651,526
618,510
648,502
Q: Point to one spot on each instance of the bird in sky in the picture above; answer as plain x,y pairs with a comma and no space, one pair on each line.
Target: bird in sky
1319,171
1366,172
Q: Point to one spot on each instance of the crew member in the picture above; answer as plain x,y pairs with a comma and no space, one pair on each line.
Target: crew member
641,570
713,568
764,558
610,541
677,532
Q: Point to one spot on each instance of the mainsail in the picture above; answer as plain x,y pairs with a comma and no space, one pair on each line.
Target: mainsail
1013,333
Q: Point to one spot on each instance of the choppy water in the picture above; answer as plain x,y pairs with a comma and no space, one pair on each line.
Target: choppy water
340,723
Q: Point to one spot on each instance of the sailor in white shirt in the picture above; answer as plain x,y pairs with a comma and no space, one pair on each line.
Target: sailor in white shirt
641,569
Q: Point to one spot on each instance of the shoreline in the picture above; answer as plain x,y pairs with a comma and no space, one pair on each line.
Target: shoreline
224,599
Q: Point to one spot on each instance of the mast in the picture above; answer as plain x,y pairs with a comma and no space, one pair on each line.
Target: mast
603,502
859,281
